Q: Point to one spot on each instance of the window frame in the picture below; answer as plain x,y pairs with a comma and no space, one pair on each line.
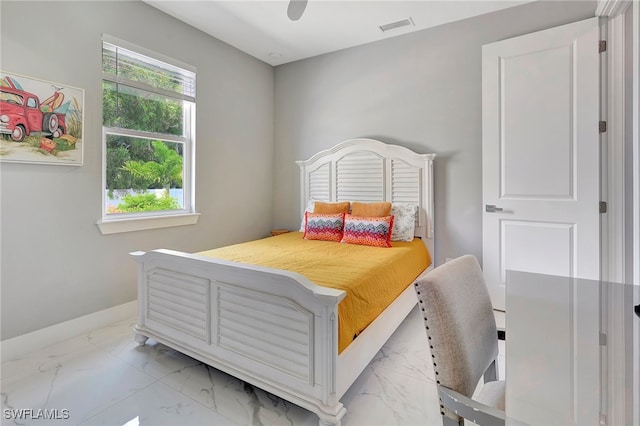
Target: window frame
127,222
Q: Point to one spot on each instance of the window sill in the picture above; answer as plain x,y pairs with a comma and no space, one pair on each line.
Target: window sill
115,226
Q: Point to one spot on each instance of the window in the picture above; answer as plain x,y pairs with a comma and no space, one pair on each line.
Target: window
148,132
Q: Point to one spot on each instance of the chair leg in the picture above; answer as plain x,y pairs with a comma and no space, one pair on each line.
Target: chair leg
491,375
448,421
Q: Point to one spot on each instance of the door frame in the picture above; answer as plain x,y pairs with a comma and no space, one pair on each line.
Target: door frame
620,235
613,185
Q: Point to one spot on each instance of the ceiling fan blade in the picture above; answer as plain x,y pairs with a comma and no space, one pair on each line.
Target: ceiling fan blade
296,9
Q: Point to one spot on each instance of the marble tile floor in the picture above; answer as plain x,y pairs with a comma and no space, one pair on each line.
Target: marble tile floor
105,378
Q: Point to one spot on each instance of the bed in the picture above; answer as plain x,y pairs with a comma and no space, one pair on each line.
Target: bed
222,311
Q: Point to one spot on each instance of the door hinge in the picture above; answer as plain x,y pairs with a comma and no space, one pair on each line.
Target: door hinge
603,419
602,126
602,46
603,206
603,339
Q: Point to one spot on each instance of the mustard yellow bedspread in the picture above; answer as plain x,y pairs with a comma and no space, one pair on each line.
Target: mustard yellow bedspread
372,276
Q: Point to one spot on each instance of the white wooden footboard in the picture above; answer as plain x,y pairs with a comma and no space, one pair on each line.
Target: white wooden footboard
272,328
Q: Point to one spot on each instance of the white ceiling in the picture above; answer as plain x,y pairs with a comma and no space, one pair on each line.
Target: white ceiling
263,30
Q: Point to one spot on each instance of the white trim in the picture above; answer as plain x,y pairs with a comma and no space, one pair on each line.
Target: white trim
26,343
115,226
614,179
612,8
636,146
120,131
605,166
612,370
615,234
636,200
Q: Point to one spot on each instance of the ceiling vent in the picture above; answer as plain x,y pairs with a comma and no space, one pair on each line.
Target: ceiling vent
397,25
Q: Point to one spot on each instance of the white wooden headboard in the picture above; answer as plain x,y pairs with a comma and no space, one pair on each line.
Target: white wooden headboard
368,170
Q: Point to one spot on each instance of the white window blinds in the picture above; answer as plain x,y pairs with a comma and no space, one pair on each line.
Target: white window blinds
125,67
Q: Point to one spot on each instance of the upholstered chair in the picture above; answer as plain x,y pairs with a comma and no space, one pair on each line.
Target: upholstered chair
461,332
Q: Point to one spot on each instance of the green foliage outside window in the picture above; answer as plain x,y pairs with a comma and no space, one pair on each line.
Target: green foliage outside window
137,109
142,164
146,202
165,170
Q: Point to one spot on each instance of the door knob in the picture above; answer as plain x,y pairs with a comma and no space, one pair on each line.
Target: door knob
490,208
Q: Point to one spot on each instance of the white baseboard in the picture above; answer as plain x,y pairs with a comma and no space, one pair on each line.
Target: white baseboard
21,345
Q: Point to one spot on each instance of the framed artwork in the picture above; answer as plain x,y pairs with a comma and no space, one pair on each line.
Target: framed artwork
40,121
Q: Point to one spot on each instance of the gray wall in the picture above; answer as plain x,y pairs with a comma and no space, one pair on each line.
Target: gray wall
420,90
56,265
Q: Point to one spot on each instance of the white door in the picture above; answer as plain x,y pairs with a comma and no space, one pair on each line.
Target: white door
540,155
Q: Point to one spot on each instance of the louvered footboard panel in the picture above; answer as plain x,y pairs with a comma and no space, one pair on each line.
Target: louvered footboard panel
271,330
179,301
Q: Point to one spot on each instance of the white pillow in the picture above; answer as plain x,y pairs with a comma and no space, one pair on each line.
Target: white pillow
404,222
310,206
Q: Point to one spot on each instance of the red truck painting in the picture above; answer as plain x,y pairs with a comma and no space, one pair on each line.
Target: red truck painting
22,113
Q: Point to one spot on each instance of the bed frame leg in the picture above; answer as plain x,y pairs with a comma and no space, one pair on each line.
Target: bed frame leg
140,339
333,418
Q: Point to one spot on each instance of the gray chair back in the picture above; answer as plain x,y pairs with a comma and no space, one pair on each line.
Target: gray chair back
460,324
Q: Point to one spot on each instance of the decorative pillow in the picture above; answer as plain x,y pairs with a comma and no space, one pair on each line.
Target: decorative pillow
371,209
310,205
325,227
331,208
404,222
368,231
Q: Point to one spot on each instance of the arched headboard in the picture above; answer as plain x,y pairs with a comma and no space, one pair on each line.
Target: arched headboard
368,170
